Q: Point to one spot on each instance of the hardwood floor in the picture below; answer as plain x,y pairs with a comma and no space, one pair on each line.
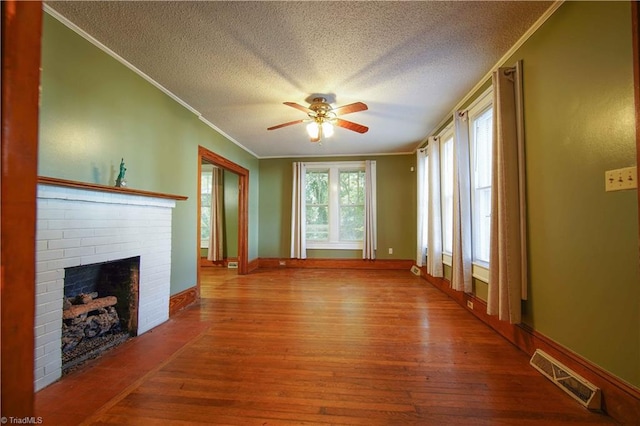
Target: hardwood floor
293,347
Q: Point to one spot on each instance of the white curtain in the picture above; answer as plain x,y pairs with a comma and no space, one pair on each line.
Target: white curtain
508,257
423,205
298,213
216,234
370,218
434,243
461,259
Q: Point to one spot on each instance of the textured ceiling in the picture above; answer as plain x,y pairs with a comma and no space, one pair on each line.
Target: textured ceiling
237,62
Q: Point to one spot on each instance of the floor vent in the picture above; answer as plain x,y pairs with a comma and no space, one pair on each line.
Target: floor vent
415,270
577,387
232,265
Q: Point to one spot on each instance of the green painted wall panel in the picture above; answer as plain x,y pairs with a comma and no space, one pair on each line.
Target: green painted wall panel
95,111
396,207
231,181
583,242
584,274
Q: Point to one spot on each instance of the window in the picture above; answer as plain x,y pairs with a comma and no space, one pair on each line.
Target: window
334,194
425,204
446,188
481,137
205,205
317,201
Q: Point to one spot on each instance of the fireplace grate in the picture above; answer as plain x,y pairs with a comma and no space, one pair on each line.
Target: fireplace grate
90,349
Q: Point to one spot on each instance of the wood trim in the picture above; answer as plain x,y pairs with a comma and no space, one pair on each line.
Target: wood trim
21,43
44,180
336,263
253,265
181,300
204,262
620,400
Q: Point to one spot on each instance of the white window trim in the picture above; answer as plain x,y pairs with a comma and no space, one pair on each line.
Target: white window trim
334,167
480,271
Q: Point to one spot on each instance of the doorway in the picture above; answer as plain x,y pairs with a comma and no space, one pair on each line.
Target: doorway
241,175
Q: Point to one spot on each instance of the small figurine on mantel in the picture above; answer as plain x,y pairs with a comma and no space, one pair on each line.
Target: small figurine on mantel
120,182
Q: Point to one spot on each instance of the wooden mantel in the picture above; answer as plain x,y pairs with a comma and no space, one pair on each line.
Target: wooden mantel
44,180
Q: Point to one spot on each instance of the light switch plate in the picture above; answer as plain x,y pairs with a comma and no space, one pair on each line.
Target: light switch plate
619,179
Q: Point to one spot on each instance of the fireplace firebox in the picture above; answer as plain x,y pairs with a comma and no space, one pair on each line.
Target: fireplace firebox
100,309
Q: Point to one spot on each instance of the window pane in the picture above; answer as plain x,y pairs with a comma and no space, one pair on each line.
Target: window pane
317,187
205,182
351,209
483,130
317,200
351,223
205,221
318,223
447,195
482,225
425,204
205,207
351,187
482,138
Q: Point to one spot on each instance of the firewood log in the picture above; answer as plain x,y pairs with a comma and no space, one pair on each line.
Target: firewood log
101,302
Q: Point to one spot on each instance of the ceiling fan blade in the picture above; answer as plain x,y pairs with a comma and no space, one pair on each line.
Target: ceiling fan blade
291,123
298,106
355,107
352,126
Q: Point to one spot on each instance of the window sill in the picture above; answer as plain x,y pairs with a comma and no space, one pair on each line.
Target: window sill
480,271
335,246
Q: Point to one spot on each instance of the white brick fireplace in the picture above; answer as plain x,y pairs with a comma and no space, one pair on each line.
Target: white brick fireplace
77,226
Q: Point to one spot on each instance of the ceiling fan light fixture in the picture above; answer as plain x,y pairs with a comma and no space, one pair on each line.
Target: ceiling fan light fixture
313,130
322,118
327,129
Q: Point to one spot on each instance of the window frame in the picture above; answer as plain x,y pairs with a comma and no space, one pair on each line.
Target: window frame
425,207
479,107
334,168
446,136
207,169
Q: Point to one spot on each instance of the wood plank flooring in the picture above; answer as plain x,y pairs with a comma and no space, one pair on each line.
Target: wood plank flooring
321,347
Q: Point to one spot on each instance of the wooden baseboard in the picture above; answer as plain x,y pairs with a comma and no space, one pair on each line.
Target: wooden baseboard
620,400
181,300
204,262
253,265
336,263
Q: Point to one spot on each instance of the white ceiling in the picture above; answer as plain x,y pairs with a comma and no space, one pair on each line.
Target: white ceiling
235,63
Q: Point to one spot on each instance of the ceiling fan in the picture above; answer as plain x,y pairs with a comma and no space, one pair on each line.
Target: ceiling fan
322,118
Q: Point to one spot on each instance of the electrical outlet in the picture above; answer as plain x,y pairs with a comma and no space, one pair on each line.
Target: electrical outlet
619,179
470,304
390,250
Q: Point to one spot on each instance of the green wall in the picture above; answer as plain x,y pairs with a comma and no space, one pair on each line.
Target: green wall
583,242
95,111
231,182
396,198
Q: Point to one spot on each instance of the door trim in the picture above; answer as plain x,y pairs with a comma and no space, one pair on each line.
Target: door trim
243,206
